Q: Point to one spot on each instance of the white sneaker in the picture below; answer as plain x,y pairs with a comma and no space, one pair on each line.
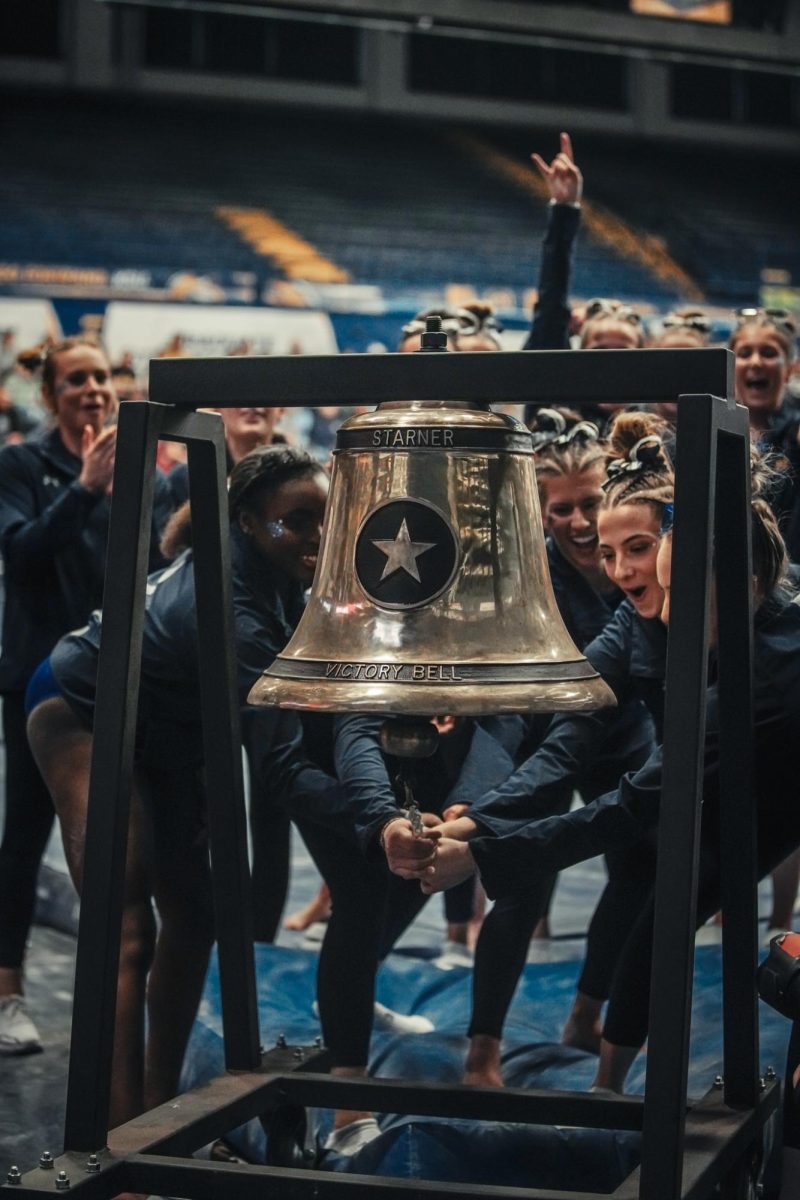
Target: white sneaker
18,1034
389,1021
454,954
351,1138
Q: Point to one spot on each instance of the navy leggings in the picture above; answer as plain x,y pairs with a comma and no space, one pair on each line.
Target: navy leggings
629,1001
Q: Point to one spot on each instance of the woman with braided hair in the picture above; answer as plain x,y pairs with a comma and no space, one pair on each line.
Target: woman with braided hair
515,852
571,470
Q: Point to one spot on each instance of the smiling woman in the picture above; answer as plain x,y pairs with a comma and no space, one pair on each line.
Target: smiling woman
54,509
639,484
570,470
763,343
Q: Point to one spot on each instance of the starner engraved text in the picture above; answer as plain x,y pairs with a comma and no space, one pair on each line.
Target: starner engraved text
412,438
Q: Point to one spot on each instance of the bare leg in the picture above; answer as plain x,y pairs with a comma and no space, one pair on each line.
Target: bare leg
318,909
482,1068
11,982
62,747
584,1027
615,1062
346,1116
785,880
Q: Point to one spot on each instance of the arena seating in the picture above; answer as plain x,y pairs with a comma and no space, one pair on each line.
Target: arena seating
724,219
390,204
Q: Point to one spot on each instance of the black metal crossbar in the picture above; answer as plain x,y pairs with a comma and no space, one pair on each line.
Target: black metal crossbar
515,377
686,1149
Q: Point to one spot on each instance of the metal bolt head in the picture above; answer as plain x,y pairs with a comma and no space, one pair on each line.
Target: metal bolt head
62,1181
46,1160
281,1042
769,1073
318,1042
14,1175
298,1053
719,1081
762,1083
93,1163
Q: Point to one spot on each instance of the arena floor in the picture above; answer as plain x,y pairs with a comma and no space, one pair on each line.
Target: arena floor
33,1088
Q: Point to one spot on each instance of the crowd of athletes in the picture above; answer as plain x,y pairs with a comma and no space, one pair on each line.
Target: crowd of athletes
605,478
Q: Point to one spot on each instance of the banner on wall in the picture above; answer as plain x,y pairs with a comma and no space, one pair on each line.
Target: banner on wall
129,283
715,12
30,321
775,295
147,330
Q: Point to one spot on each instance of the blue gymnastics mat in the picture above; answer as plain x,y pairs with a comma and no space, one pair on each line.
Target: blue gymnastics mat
468,1151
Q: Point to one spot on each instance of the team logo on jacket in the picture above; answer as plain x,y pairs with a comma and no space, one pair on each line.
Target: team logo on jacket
406,554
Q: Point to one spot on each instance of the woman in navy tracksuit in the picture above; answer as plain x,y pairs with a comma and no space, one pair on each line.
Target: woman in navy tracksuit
54,508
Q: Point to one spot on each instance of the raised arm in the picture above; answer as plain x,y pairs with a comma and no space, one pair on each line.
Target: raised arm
551,314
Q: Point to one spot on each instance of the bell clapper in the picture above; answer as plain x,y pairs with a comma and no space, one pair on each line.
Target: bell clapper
410,739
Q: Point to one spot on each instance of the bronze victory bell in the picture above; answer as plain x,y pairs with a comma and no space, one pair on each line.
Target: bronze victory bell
432,593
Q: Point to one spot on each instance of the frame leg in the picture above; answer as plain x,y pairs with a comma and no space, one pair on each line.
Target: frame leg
94,1010
223,754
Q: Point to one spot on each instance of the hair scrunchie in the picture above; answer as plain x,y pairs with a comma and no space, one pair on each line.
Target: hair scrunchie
642,455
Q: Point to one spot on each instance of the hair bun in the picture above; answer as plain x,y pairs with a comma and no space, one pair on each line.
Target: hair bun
647,450
628,428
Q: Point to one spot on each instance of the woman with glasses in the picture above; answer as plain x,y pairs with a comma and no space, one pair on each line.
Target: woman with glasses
54,509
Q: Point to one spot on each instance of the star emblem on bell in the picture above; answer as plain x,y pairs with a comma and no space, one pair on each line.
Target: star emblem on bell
406,554
402,553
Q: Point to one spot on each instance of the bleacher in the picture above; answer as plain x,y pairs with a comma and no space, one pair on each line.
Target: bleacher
392,204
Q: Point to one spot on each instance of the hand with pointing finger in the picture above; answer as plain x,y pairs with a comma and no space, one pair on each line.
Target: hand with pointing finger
562,176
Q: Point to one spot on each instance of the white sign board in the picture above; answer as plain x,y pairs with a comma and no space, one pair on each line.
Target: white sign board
145,330
31,321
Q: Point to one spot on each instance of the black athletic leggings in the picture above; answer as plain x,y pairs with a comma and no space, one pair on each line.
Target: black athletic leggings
270,832
28,821
504,940
629,1000
503,943
369,910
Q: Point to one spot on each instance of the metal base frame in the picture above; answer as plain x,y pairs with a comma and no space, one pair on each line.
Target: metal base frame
687,1148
